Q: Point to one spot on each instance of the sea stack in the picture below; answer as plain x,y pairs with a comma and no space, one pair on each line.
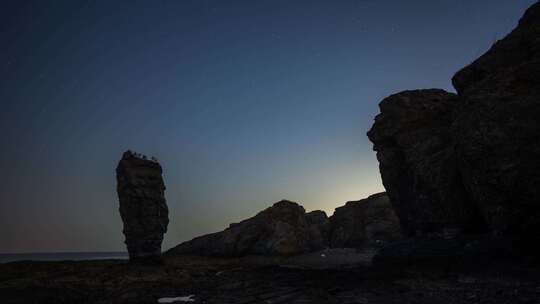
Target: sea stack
143,207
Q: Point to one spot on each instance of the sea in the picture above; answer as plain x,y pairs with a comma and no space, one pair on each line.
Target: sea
62,256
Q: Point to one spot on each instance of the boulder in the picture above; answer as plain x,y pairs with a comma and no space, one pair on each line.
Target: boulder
283,229
469,162
143,207
418,163
364,223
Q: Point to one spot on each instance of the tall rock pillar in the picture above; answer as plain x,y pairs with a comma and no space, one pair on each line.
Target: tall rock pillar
143,207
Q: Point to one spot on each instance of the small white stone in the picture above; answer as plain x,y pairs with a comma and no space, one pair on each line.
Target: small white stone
177,299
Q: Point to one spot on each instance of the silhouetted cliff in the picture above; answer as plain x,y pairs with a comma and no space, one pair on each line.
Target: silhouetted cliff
470,162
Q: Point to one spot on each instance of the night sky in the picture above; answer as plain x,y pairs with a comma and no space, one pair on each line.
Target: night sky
243,102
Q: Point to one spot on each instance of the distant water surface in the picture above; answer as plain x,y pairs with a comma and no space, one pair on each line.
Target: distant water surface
61,256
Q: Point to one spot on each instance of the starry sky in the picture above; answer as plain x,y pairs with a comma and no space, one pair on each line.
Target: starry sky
243,102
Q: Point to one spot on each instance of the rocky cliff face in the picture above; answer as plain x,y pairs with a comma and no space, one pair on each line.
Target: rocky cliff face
283,229
364,223
143,207
418,164
497,131
471,161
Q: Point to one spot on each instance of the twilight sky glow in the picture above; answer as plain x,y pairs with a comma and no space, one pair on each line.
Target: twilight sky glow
243,102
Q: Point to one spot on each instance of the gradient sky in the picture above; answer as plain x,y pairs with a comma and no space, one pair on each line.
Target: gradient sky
243,102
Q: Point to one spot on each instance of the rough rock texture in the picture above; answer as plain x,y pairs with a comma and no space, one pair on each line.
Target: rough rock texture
469,161
417,162
462,251
497,131
318,226
263,280
283,229
286,229
142,205
368,222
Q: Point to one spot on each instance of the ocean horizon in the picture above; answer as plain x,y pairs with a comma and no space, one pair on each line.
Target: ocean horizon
62,256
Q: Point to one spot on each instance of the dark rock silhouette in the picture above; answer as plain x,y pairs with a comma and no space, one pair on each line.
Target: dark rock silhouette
142,205
364,223
471,161
286,229
497,130
319,229
464,251
282,229
418,163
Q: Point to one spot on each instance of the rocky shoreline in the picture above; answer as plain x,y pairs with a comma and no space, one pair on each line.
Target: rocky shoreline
260,279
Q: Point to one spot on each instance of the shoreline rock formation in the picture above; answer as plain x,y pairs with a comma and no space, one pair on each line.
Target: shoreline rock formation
282,229
370,222
418,163
143,206
286,229
469,162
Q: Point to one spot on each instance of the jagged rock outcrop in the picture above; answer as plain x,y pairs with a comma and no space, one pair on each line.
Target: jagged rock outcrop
143,207
283,229
286,229
364,223
470,161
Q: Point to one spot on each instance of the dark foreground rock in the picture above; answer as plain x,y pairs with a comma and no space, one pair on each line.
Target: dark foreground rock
465,252
283,229
365,223
142,205
467,163
260,280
